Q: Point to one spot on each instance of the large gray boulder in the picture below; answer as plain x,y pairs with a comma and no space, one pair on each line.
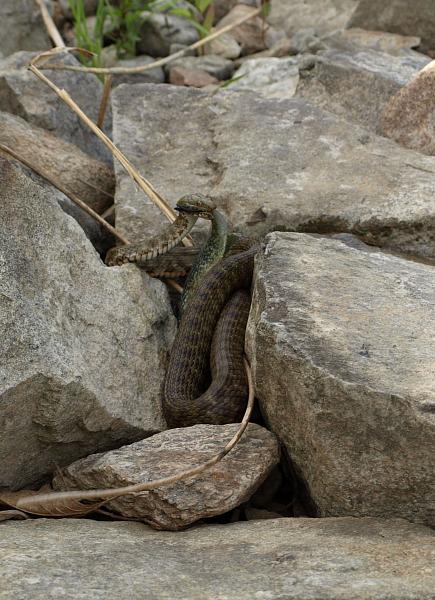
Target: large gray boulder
270,164
341,342
83,346
219,489
291,559
397,16
22,94
357,84
21,26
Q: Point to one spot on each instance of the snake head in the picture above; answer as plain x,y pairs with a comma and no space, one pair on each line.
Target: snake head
196,204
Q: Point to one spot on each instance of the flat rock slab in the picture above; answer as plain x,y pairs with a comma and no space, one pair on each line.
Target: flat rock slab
291,559
221,488
270,164
83,346
22,94
357,84
341,342
397,16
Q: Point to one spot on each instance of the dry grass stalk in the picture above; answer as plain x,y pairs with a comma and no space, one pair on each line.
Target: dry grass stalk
51,28
104,100
162,61
62,497
65,191
143,183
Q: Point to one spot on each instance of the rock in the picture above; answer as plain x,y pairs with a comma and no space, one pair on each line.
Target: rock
325,16
408,118
83,346
272,77
397,16
223,7
21,26
325,559
191,77
380,41
357,85
249,35
268,164
22,94
216,66
214,492
160,30
91,180
156,75
341,343
225,45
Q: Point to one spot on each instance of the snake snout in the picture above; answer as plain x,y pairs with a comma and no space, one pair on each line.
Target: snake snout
197,204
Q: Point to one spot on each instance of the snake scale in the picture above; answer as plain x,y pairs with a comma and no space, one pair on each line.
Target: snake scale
215,307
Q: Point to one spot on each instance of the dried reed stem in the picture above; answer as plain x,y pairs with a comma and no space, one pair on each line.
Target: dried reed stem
50,26
28,501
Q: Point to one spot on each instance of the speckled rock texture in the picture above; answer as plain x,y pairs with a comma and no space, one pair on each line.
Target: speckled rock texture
291,559
21,26
270,164
271,77
397,16
22,94
221,488
341,342
84,346
409,116
358,84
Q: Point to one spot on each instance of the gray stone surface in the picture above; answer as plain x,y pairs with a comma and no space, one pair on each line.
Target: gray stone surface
398,16
160,30
341,342
272,77
217,66
357,84
216,491
156,75
282,559
409,116
91,180
21,26
325,16
250,35
22,94
382,41
270,164
83,346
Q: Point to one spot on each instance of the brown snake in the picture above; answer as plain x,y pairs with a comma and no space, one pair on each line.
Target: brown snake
212,329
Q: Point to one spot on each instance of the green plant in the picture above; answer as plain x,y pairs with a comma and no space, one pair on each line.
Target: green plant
89,40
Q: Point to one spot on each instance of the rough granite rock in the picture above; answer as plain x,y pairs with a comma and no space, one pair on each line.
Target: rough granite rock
398,16
21,26
216,66
156,75
22,94
282,559
382,41
324,16
91,180
191,77
216,491
270,164
357,84
160,30
341,343
272,77
409,117
83,346
250,35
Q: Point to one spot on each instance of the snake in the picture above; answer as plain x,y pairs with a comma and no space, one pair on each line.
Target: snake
214,311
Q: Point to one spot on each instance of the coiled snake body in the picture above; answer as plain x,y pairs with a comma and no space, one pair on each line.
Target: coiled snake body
211,333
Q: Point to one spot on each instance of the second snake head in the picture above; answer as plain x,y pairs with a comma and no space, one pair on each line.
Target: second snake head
197,204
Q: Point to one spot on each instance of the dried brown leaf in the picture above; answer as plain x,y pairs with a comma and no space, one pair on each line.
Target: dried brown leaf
53,507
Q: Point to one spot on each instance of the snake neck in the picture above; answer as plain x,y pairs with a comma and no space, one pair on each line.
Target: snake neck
211,253
160,244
